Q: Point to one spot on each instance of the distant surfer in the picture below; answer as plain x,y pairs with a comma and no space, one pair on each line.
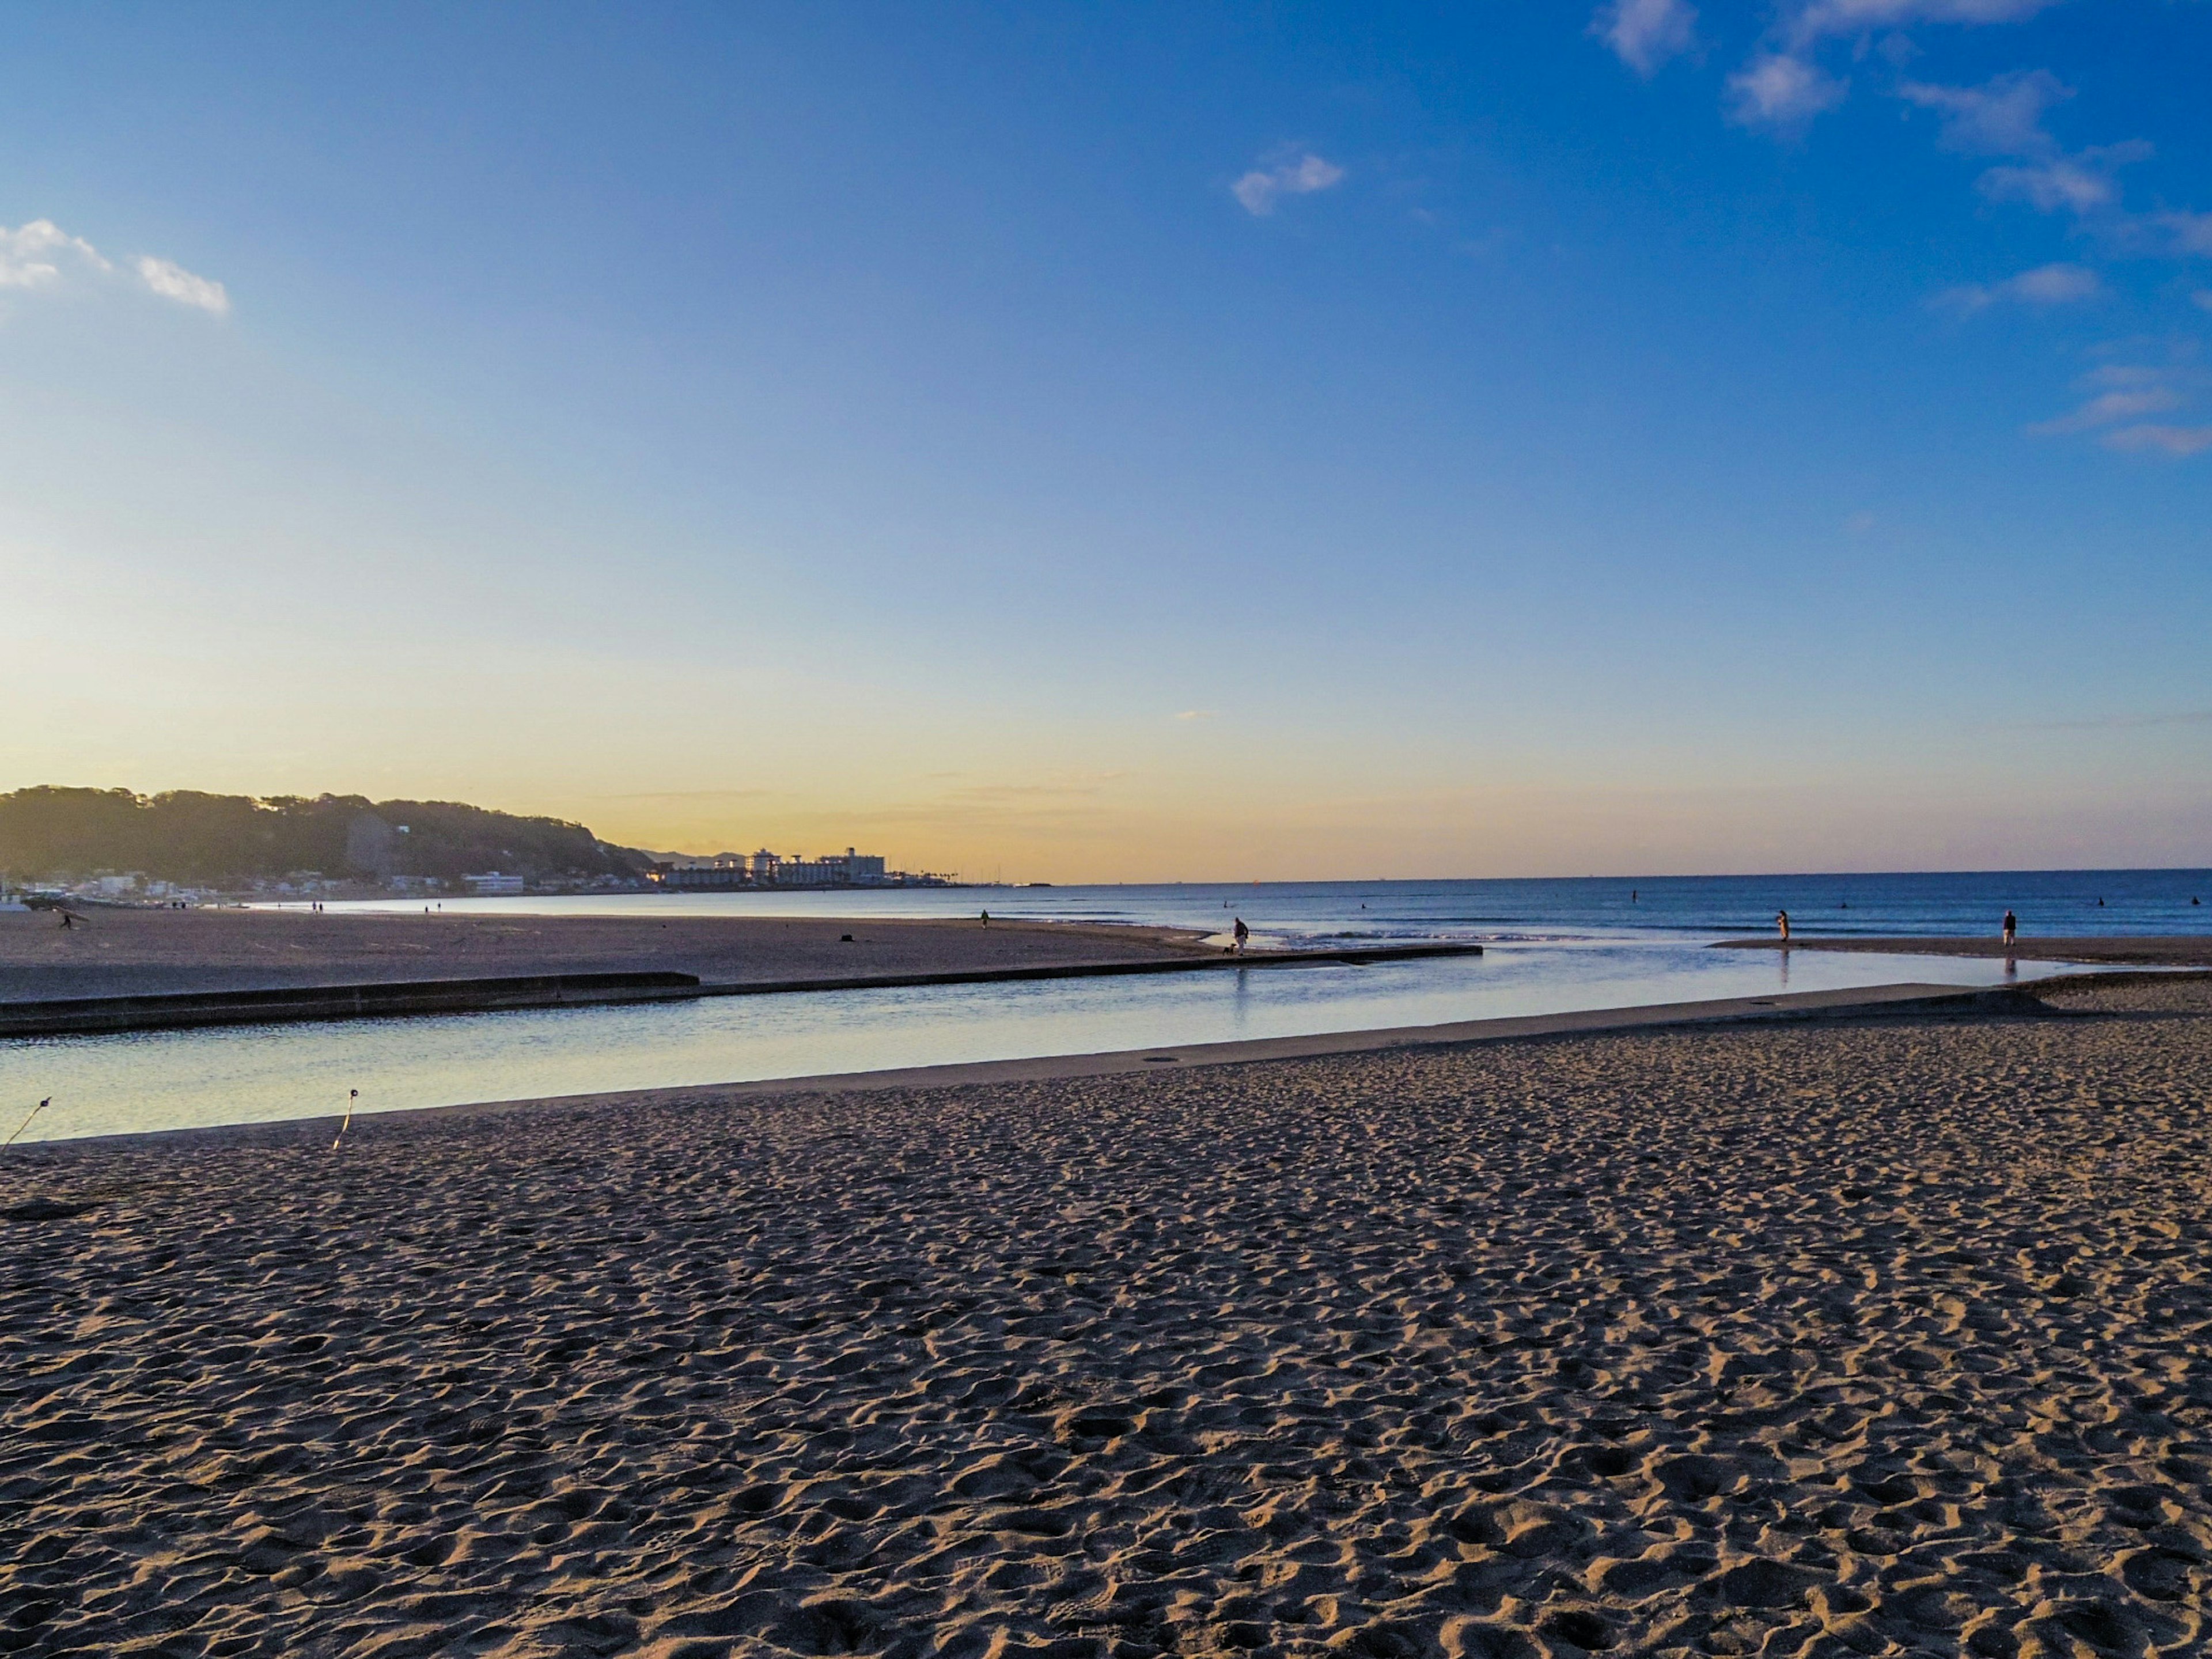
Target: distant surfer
1781,925
2011,929
1244,935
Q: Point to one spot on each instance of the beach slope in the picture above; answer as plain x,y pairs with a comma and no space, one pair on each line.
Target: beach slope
1877,1337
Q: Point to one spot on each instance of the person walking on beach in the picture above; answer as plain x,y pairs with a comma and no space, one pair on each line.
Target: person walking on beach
986,917
2011,929
1781,922
1244,935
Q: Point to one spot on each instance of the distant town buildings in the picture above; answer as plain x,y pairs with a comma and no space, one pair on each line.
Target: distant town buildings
493,883
736,871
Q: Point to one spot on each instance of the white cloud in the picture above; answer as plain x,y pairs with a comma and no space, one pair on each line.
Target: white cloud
1645,33
1778,90
1258,189
2191,231
2002,117
174,281
41,254
2176,440
2052,285
2122,395
34,255
1783,86
2109,408
2046,285
2080,184
1832,17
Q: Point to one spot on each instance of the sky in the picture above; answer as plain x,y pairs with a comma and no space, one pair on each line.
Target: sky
1136,443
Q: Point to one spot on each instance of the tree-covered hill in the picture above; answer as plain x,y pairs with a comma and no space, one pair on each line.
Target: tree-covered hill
51,834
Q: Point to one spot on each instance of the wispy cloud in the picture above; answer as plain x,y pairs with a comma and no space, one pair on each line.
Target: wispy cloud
2080,184
2124,722
1301,175
1195,714
2176,440
2121,395
1645,33
2191,231
2108,408
1780,90
1816,19
34,255
690,794
41,255
172,282
2001,117
2041,287
2005,117
1783,86
1795,73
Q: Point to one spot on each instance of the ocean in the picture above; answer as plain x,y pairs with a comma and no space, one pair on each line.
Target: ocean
2054,903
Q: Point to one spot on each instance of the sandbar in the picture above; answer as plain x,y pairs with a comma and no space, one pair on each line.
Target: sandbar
121,951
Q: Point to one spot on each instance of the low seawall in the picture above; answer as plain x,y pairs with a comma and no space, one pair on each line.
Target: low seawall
88,1015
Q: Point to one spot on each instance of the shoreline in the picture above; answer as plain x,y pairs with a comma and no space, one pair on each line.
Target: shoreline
2139,949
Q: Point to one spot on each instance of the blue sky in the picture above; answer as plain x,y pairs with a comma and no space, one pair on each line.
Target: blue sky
1154,443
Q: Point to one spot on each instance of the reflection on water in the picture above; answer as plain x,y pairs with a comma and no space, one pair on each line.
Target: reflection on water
172,1080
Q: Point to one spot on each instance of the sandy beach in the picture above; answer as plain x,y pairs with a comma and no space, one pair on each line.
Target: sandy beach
129,952
1885,1337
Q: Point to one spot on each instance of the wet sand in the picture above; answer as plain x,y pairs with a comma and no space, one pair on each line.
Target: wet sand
1884,1337
135,952
2187,950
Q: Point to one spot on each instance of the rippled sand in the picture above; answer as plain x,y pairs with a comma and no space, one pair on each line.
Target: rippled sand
1886,1338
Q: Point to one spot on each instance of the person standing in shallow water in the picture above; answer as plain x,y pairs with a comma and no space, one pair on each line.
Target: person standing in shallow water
1781,925
2011,929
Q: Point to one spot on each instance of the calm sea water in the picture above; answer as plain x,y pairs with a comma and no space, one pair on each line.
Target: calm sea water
2055,903
1552,946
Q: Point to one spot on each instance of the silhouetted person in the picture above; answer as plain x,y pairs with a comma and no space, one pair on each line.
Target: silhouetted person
1244,935
986,917
2011,929
1781,925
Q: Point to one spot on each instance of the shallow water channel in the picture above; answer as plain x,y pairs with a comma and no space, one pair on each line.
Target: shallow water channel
247,1074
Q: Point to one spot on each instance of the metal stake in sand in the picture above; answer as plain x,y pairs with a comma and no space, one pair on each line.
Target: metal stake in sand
352,1095
25,1123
